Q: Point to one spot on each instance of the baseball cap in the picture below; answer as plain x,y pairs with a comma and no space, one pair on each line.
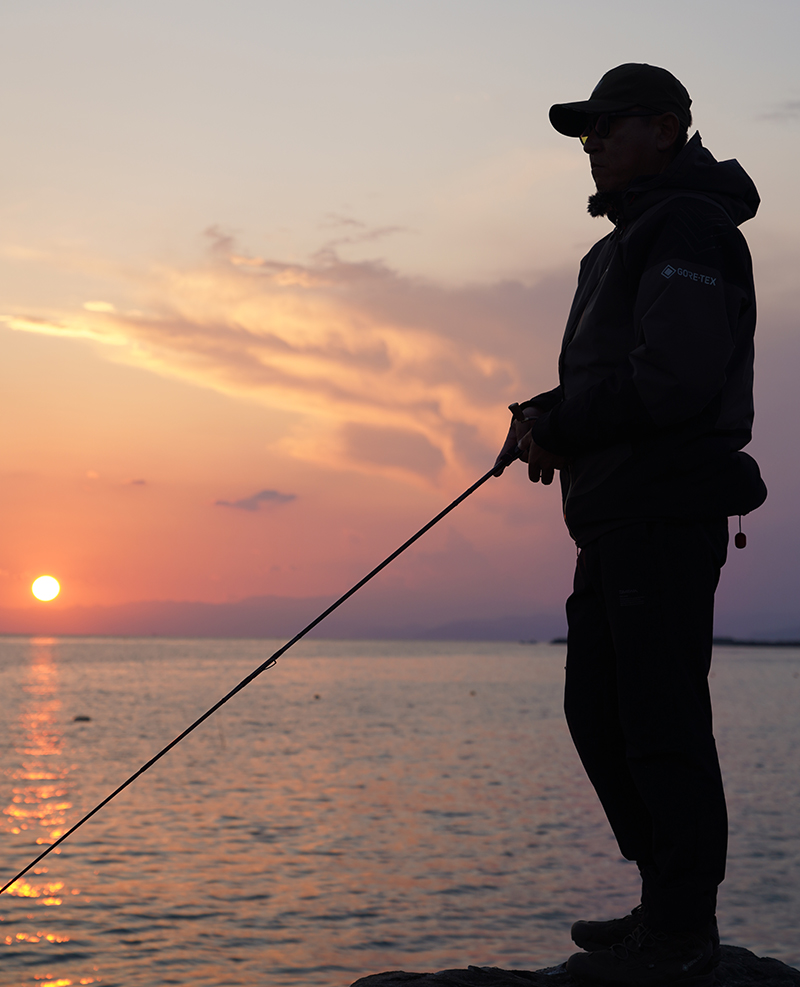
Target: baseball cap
631,84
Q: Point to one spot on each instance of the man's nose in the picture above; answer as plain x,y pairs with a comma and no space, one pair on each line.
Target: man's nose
593,142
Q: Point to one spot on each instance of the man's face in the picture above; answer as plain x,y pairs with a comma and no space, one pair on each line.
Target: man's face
633,148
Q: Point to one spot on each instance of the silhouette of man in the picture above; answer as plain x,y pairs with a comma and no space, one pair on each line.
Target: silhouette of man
653,407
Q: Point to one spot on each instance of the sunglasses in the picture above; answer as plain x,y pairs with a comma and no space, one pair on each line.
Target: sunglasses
601,123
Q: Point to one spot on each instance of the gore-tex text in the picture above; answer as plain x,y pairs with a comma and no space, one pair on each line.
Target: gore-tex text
682,272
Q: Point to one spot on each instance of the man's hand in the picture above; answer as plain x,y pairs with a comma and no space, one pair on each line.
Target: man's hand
541,463
509,449
520,428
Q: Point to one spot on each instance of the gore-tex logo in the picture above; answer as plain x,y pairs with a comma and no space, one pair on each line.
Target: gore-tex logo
682,272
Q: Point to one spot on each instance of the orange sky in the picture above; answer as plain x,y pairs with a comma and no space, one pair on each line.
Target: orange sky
314,259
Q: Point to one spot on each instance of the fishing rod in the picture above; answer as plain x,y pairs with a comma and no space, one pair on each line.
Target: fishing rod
504,460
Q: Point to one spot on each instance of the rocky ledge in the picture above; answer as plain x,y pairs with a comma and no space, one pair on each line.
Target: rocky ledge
738,968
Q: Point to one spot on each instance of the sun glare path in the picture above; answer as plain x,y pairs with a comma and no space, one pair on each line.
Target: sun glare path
38,813
45,588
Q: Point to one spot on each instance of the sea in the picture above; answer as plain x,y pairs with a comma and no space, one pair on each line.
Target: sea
359,807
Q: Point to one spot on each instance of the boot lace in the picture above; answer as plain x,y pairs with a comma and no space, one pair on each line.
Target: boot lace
641,938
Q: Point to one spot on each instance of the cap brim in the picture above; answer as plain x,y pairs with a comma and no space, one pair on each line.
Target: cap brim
571,119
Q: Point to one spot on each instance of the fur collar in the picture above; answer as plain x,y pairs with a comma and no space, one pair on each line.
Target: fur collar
605,204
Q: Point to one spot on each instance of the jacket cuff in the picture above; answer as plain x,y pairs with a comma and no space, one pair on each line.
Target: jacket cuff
610,412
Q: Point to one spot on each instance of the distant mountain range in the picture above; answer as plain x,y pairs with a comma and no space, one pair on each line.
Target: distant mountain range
363,617
269,616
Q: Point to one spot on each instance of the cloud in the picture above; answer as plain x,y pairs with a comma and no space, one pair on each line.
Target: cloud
254,503
358,232
395,448
411,378
789,108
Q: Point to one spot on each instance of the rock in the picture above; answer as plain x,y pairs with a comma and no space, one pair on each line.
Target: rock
473,976
738,968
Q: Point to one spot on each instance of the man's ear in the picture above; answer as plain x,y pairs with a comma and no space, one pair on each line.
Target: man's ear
668,130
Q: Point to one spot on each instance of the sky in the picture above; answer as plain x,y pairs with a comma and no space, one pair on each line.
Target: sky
271,273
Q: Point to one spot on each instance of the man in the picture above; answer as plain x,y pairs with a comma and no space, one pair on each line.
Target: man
646,426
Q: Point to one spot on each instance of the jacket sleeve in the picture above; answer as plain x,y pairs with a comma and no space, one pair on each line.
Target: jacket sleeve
545,401
685,320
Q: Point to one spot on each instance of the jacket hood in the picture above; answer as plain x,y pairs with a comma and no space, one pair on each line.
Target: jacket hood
695,169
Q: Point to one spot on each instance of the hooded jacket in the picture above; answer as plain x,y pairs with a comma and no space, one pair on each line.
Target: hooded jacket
655,401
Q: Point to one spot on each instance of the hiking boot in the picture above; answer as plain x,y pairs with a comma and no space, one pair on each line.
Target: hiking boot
593,936
648,959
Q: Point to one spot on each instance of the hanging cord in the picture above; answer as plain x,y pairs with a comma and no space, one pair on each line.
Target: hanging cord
494,471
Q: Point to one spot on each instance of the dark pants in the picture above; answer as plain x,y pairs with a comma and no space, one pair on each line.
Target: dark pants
638,707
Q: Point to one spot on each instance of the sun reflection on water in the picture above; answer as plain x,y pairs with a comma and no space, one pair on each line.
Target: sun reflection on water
65,981
38,808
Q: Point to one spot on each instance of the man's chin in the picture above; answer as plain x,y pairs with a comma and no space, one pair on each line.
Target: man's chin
603,184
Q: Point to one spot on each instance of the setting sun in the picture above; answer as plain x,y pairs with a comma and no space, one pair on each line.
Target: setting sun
45,588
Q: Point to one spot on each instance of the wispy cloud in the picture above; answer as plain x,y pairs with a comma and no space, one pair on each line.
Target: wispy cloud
788,109
254,503
357,232
410,377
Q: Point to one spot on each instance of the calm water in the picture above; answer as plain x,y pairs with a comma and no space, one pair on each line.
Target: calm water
360,807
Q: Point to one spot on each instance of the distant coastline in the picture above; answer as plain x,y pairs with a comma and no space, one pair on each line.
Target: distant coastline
736,642
729,642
